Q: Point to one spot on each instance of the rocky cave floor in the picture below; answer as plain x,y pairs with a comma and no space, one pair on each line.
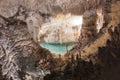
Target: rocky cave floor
106,66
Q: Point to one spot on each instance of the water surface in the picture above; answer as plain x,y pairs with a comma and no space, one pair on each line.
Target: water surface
57,48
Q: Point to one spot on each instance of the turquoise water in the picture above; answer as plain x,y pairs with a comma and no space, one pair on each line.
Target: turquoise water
56,48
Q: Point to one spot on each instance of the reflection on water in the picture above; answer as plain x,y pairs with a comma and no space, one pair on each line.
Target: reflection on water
57,48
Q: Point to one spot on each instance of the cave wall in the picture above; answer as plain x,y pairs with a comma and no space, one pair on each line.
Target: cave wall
89,46
19,52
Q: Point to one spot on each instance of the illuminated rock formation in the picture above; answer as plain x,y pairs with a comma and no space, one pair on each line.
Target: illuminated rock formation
56,30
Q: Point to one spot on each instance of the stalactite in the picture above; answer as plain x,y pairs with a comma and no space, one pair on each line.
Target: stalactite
100,19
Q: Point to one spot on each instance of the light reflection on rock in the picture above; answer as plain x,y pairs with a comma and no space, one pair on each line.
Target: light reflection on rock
61,26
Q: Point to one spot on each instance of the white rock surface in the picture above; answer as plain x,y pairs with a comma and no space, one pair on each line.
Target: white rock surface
62,28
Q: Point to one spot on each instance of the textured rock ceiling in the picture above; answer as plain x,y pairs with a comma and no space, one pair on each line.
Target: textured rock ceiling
47,8
9,7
